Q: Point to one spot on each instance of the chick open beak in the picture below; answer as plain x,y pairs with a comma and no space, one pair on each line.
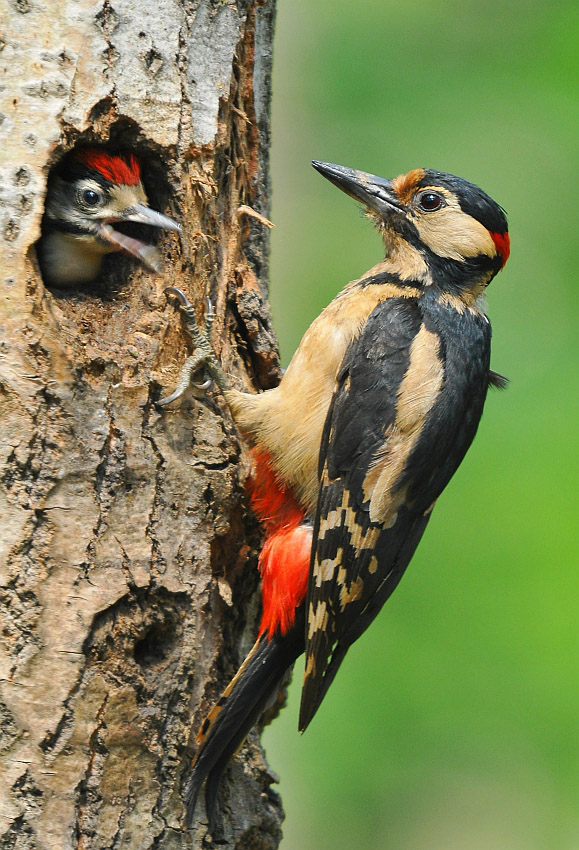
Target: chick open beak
147,254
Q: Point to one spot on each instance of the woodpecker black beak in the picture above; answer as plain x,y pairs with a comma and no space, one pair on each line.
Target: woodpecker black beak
147,254
374,192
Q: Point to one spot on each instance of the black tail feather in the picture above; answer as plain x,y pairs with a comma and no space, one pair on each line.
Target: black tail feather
497,380
242,704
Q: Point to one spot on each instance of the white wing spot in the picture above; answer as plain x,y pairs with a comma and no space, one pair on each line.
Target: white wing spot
318,619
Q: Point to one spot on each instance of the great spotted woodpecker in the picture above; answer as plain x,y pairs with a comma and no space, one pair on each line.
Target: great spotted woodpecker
89,191
351,451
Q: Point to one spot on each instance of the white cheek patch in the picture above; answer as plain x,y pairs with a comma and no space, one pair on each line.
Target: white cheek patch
451,233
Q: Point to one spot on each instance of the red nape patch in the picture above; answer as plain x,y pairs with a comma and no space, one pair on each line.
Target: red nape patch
503,245
284,563
122,170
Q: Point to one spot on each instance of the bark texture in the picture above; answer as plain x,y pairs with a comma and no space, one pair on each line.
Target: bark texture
127,553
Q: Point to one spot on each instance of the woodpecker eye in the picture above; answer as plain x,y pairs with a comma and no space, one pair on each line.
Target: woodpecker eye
430,201
91,197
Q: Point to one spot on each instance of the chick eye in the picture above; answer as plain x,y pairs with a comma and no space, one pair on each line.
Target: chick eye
90,197
430,201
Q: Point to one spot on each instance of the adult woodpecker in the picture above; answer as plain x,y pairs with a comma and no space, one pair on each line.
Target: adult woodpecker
89,191
370,421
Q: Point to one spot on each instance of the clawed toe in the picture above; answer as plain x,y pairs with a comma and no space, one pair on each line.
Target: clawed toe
203,359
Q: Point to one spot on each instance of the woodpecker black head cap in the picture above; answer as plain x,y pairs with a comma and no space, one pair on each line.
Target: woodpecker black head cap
443,216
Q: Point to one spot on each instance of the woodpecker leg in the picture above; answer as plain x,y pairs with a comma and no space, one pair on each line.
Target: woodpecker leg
203,358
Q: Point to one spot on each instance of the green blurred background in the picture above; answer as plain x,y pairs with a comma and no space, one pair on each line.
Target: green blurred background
453,723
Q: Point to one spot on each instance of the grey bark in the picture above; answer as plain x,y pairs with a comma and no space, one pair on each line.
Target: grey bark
127,552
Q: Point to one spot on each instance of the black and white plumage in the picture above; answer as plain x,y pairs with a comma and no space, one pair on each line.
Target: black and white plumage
370,421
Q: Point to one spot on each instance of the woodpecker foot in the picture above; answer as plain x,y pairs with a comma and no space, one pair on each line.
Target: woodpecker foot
203,360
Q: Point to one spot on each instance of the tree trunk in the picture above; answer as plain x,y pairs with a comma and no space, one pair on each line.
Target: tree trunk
127,552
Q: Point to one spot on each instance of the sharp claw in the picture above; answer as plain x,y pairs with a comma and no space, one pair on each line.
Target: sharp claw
184,301
204,356
191,365
162,402
209,317
179,295
202,386
185,381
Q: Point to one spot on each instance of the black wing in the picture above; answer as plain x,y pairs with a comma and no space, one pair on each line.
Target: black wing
406,407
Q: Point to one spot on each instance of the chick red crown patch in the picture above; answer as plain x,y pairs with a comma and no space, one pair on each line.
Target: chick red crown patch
120,169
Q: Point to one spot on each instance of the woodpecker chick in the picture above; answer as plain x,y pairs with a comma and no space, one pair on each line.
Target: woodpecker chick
89,192
370,421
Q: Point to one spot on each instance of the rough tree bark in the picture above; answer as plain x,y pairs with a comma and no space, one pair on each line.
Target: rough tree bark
127,553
